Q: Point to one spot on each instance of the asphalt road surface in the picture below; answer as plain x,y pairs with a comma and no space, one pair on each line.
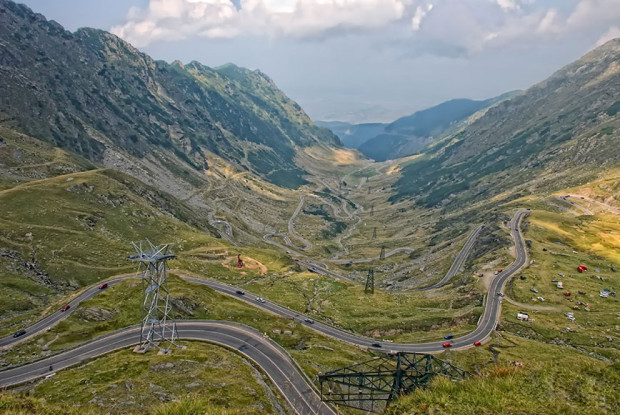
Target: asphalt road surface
458,261
297,391
274,361
484,329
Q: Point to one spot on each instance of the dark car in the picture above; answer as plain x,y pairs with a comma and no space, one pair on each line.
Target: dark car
104,285
19,333
65,308
448,336
309,320
240,292
375,344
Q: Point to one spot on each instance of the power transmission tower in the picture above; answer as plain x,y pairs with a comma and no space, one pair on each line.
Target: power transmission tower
370,386
374,234
372,210
368,189
158,327
370,282
382,254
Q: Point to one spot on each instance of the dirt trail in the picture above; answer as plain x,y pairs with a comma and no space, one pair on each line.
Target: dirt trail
35,182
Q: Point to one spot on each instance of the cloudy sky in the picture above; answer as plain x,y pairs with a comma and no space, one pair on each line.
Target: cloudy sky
361,60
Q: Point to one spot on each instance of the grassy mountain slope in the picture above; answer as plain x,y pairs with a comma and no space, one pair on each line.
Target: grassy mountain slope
90,92
556,134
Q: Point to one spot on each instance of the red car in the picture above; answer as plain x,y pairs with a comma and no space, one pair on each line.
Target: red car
478,343
65,308
447,345
499,270
104,285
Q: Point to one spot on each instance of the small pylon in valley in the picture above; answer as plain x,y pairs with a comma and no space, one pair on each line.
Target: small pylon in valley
374,234
370,282
382,254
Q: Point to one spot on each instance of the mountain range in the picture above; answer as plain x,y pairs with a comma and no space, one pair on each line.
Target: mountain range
558,133
407,135
93,93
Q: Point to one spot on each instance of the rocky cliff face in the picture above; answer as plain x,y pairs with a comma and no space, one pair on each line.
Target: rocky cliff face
91,92
562,129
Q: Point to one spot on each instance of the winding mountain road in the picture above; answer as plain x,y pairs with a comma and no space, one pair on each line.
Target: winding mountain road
486,323
595,202
458,261
273,360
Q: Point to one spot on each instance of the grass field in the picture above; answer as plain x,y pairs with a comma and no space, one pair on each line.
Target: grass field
553,380
122,382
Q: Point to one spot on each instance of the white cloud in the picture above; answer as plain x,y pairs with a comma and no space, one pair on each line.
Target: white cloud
507,4
442,27
419,14
178,19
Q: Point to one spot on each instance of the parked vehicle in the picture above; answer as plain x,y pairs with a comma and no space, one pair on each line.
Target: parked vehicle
448,336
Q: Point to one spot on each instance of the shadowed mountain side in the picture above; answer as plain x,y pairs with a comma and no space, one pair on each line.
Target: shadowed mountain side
92,93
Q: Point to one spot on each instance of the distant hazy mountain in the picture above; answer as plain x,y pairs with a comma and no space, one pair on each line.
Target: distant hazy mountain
353,135
93,93
556,134
409,134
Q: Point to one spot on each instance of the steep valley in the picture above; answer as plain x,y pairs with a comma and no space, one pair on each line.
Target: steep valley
101,146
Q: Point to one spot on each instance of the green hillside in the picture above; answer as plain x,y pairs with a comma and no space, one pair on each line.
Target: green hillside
557,134
91,92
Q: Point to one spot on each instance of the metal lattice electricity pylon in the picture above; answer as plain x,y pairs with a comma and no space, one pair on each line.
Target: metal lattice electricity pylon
374,234
382,254
158,326
371,385
370,282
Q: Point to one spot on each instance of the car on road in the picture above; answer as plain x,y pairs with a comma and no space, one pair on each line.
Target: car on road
309,320
240,292
500,294
260,299
103,285
296,259
446,344
19,333
478,343
500,270
448,336
65,308
375,344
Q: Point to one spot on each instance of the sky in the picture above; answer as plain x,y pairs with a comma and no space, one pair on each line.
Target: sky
361,60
